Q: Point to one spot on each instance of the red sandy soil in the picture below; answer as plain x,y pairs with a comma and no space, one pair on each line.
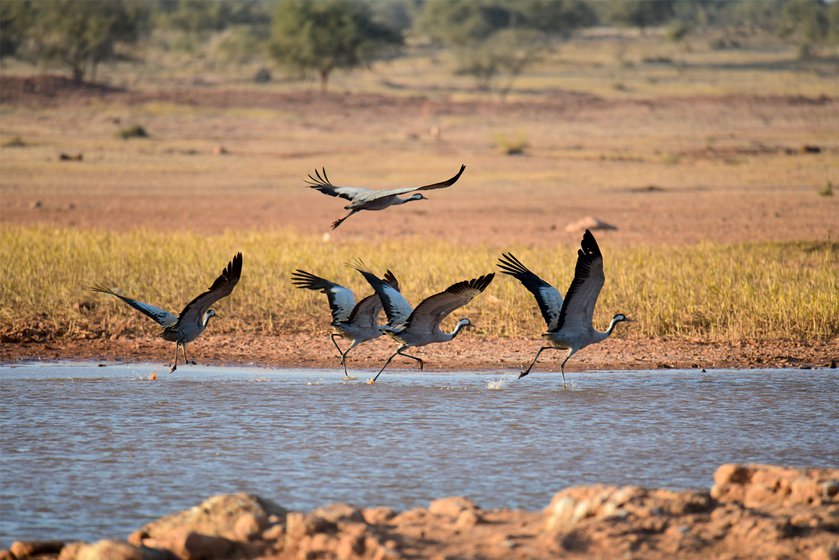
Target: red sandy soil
739,168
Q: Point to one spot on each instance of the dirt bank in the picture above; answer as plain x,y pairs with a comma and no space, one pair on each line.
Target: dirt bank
466,353
751,511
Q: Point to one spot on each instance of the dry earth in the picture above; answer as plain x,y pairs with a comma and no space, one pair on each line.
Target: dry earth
752,511
670,170
466,353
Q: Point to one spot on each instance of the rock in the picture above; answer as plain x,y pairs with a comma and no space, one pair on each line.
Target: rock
378,516
451,507
27,549
214,529
71,550
762,485
110,550
353,541
248,527
589,222
274,533
339,512
467,519
206,547
825,553
218,516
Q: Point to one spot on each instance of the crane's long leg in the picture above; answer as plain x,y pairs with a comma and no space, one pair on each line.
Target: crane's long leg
175,365
332,336
543,348
399,351
344,357
186,361
340,221
422,364
341,352
562,367
383,367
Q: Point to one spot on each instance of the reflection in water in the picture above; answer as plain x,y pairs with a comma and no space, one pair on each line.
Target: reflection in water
88,453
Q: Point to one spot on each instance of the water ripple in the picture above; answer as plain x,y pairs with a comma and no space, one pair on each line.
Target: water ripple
89,452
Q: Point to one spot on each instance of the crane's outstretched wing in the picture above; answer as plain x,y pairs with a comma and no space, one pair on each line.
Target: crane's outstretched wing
432,310
440,185
163,317
222,287
367,311
578,308
341,299
396,306
324,185
548,297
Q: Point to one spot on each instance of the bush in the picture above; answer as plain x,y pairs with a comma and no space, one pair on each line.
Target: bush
135,131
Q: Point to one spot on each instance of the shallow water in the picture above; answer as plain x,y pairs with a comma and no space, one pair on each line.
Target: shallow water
91,452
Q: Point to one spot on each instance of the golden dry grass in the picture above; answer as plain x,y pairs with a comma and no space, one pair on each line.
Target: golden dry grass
708,291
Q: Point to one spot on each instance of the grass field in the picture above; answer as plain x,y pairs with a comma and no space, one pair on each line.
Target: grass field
709,291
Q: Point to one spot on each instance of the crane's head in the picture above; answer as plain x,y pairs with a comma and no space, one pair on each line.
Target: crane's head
207,314
416,196
462,324
620,318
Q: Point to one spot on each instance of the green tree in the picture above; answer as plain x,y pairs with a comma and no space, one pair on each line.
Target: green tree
497,40
640,13
806,23
506,54
198,16
81,35
15,19
326,35
833,22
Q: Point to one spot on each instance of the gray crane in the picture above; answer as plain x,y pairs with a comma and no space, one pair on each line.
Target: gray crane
413,327
356,322
367,199
186,327
569,321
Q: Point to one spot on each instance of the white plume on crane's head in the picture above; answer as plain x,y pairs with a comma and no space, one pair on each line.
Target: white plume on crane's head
207,315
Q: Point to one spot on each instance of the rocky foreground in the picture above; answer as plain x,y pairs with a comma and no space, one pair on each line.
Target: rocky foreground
752,511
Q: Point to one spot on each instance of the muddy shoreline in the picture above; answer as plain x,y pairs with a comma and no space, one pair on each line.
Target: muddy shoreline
468,353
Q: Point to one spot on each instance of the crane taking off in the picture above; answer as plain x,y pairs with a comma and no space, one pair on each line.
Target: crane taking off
357,322
186,327
419,326
569,321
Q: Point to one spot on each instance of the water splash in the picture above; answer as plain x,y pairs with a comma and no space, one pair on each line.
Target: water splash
498,384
